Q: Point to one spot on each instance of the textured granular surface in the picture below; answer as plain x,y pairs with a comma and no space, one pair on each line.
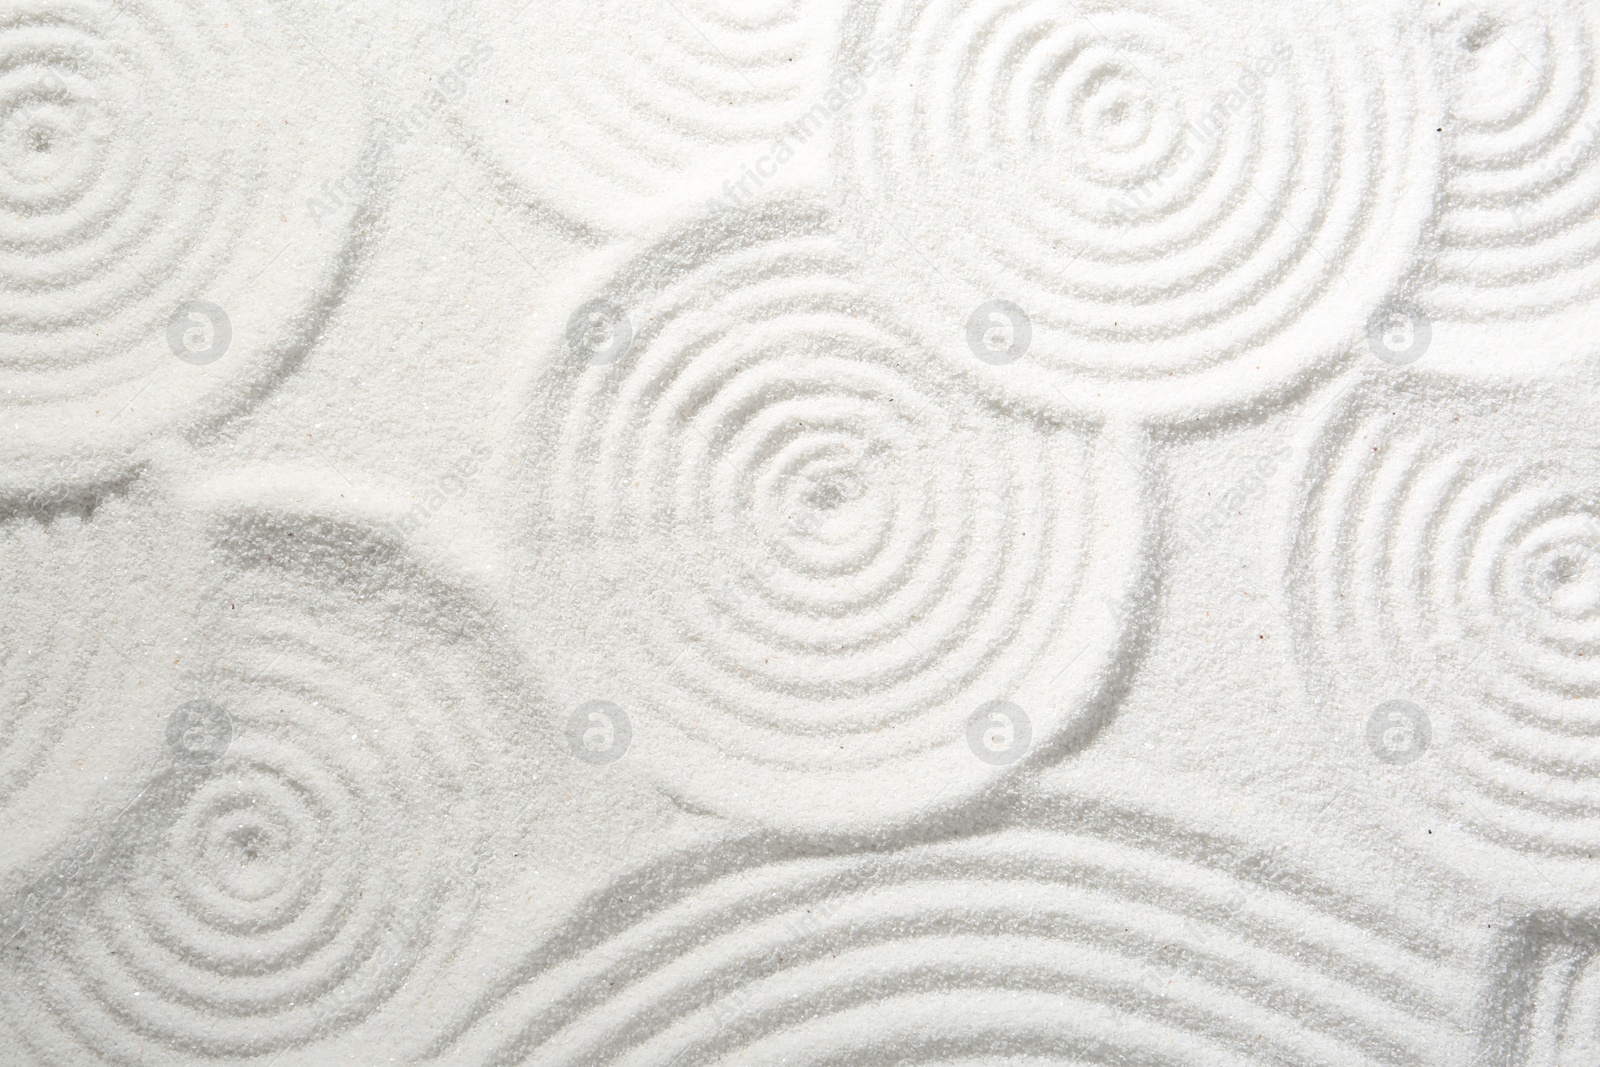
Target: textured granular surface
806,532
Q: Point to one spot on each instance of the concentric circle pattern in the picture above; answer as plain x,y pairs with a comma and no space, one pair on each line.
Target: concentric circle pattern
658,103
152,154
803,547
1018,947
309,876
1450,556
1519,230
1190,220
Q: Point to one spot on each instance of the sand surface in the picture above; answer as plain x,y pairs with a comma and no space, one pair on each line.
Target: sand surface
811,532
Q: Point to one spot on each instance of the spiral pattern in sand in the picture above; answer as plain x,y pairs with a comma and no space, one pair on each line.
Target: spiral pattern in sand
321,868
803,545
658,103
1022,946
154,153
1187,224
1450,556
1519,230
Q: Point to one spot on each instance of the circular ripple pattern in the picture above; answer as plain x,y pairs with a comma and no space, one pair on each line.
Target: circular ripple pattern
1019,946
316,871
1451,556
1186,223
831,553
1520,226
657,102
152,153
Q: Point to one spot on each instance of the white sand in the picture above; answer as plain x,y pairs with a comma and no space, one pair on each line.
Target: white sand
823,532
